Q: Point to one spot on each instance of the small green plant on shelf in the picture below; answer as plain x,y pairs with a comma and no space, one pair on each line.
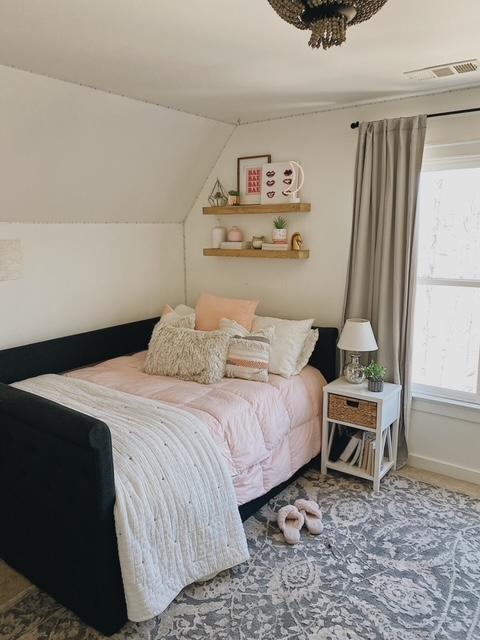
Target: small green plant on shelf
280,222
375,374
233,197
279,233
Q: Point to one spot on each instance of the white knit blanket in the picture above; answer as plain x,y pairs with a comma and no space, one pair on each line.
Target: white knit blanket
176,514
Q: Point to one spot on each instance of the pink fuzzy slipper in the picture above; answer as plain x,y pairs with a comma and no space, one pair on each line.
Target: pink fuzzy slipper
312,515
290,521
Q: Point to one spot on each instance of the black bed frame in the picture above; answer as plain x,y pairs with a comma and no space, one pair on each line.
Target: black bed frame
57,490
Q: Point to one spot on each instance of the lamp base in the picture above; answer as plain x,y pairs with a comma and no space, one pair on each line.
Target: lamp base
353,370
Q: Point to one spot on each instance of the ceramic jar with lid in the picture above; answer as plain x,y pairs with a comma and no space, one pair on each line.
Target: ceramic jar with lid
235,234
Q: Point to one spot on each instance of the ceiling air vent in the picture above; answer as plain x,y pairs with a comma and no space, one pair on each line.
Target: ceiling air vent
444,70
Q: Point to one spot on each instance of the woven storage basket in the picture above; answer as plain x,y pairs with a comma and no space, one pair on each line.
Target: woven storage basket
361,412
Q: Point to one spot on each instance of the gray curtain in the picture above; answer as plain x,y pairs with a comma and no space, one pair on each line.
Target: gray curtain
382,268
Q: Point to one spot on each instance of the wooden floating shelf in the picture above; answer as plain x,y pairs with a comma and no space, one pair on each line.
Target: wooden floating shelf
300,207
258,253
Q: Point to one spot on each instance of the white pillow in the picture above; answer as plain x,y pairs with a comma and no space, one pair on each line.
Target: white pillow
174,319
308,347
288,342
184,310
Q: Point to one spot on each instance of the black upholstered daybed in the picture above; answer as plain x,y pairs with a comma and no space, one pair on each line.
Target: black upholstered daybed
57,489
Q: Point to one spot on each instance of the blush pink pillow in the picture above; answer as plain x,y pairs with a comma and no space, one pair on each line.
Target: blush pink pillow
211,309
167,309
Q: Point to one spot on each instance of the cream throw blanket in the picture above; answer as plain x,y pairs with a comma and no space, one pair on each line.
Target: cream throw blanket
176,513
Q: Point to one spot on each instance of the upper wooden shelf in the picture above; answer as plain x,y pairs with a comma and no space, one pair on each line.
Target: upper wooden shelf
301,207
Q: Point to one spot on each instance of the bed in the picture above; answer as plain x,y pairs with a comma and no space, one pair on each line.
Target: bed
57,478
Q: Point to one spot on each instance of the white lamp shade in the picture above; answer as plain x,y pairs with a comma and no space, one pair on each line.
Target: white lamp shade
357,335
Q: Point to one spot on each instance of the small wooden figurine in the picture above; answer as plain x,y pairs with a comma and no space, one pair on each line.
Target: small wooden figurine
297,241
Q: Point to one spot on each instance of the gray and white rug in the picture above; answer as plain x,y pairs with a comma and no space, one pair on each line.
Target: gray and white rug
403,564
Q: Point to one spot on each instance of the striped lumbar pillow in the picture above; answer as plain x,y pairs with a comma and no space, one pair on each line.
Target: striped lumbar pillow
249,353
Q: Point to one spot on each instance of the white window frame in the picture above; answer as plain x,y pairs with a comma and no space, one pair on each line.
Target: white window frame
441,158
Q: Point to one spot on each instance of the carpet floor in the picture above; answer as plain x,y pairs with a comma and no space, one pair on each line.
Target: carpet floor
403,564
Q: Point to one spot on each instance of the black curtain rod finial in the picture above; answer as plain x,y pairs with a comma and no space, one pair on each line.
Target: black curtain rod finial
355,125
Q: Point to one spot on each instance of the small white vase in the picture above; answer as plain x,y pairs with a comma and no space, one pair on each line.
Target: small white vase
279,236
219,235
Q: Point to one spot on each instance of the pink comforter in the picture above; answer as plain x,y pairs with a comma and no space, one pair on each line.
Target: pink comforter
266,431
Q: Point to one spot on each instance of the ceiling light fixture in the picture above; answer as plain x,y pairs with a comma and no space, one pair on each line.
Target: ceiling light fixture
326,19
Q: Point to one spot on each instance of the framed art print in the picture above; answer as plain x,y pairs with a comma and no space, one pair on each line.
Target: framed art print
277,179
249,178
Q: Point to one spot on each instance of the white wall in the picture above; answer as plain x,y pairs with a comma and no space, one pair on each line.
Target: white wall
325,145
72,154
79,277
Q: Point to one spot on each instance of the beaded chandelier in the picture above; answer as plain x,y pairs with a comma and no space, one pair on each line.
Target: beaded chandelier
326,19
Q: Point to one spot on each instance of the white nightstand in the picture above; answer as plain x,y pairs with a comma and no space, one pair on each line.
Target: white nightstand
354,406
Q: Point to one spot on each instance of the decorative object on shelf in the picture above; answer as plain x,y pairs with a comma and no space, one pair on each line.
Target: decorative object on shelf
300,179
326,19
219,235
279,182
257,242
375,374
357,336
279,234
249,177
217,197
297,241
233,198
235,235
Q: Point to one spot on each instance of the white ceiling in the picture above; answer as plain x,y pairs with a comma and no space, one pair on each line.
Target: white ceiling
231,59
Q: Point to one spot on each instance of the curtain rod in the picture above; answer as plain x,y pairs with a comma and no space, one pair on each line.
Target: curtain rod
355,125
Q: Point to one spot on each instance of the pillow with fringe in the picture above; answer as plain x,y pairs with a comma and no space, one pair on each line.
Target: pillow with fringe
249,353
179,352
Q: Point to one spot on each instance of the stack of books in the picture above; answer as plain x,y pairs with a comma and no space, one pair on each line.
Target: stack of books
357,449
275,246
236,245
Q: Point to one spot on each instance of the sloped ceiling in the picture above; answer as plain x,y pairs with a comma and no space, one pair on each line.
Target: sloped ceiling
73,154
230,59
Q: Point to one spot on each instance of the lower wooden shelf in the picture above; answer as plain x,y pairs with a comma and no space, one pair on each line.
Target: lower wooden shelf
303,254
354,470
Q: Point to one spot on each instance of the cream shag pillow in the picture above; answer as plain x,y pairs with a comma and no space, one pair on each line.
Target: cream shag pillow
249,353
199,356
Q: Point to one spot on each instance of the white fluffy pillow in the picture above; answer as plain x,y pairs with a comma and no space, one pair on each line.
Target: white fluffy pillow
308,347
184,310
288,342
174,319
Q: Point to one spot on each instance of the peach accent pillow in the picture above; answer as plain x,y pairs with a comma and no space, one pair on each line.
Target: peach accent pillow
211,309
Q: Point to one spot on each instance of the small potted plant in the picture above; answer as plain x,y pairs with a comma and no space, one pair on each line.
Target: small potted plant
279,235
233,197
375,374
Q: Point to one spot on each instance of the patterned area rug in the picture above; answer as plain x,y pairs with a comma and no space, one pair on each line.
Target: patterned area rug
403,564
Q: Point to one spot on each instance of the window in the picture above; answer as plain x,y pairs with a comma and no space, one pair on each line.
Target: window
446,351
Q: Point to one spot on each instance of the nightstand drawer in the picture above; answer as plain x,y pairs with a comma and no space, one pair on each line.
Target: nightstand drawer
344,409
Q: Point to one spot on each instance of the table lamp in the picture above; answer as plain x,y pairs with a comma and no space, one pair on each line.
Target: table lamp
357,336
